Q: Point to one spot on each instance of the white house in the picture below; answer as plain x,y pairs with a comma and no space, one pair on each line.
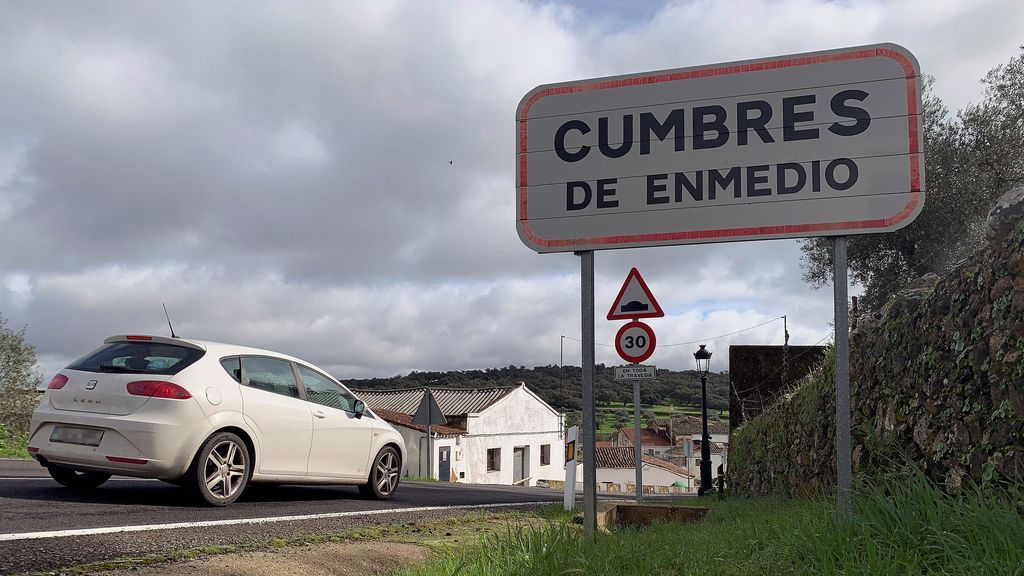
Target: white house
505,435
617,465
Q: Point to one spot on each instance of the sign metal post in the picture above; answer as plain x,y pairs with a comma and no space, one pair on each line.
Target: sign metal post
844,467
589,411
638,455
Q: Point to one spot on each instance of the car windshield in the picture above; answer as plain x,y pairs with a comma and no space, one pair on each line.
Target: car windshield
138,358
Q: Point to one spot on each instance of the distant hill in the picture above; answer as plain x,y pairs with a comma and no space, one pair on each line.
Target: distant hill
671,387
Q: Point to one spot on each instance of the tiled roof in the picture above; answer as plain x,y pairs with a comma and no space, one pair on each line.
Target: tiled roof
604,444
622,457
648,437
716,448
402,419
451,401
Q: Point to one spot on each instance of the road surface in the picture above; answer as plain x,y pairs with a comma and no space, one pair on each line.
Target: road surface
44,526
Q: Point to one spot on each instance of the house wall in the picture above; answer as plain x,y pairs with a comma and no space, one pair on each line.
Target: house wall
518,419
651,476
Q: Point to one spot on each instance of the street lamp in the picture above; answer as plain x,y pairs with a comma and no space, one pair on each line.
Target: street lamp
703,358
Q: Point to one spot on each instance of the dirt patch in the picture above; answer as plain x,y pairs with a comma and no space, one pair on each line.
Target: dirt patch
333,559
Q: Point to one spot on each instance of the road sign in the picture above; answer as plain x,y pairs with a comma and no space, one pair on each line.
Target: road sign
635,341
428,412
634,300
636,372
817,144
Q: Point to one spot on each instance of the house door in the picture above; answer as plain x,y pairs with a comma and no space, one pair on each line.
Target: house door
444,464
518,464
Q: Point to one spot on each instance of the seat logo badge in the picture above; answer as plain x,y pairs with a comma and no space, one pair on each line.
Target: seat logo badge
91,384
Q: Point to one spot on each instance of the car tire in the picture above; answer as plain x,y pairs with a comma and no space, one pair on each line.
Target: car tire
77,479
385,474
220,470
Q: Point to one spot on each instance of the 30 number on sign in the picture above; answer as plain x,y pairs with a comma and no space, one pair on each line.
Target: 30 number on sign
635,342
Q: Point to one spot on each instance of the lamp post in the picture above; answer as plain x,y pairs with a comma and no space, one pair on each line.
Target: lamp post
703,358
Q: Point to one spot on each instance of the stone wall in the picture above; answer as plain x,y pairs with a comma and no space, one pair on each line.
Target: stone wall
937,381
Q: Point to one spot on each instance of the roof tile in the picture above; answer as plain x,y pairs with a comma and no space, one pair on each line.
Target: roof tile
622,457
451,401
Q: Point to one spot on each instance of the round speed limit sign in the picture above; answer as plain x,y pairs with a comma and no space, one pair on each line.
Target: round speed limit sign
635,342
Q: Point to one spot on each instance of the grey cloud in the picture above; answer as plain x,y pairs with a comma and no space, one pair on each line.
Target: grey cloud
337,180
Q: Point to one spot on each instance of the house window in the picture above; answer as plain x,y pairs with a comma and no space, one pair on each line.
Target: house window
545,454
493,459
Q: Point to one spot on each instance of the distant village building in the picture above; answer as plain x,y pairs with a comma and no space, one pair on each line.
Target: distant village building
503,435
616,471
686,432
652,442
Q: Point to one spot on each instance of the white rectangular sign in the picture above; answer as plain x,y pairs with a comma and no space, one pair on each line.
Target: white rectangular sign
818,144
569,493
636,372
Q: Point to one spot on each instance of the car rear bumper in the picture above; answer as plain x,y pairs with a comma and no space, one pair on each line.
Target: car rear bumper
157,441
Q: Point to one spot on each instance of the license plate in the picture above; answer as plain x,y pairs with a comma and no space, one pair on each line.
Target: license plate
81,436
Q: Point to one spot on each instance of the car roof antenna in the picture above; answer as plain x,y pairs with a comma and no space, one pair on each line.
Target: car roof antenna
168,316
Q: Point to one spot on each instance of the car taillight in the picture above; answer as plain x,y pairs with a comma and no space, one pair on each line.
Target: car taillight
57,382
142,338
158,389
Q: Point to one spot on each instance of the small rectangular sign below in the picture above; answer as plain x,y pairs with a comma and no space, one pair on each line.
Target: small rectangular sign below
636,372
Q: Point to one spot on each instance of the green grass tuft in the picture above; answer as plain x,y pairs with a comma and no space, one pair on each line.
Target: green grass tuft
13,446
901,526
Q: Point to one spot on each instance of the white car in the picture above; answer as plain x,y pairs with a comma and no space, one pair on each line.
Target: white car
211,417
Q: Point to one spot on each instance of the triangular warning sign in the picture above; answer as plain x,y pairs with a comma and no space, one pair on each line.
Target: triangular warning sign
634,300
428,412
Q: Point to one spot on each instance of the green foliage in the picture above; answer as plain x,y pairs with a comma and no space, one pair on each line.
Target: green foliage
562,388
901,525
18,398
970,160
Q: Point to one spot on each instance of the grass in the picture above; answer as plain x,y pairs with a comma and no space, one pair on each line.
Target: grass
608,425
901,526
14,447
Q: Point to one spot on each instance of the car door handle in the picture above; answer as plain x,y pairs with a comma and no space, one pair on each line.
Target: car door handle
319,414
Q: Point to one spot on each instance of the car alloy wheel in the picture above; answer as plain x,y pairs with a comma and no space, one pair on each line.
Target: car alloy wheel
221,469
384,476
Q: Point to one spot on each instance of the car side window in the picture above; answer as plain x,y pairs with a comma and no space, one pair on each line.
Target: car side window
270,374
233,365
321,390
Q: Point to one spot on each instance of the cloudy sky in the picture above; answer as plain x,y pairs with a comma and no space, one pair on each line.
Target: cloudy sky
335,180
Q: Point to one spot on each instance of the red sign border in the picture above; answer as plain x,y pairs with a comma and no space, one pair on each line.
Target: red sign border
656,313
784,231
650,334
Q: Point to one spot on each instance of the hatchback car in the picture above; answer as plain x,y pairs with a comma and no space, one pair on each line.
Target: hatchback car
210,417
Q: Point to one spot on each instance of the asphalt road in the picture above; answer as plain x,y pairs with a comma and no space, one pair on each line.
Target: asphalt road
44,526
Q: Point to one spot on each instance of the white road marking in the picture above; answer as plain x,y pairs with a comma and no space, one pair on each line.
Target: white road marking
111,480
240,521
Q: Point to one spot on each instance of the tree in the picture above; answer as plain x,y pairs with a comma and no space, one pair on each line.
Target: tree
18,381
970,160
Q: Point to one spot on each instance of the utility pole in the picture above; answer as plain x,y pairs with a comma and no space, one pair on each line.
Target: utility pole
561,364
785,355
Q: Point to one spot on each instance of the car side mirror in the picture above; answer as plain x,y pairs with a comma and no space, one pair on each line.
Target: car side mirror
359,408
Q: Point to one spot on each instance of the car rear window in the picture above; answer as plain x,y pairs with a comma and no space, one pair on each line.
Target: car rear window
138,358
